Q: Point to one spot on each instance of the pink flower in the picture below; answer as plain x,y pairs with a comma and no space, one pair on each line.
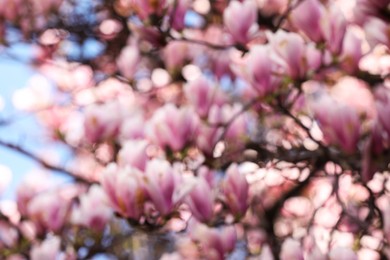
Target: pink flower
48,249
272,7
124,190
128,61
342,253
132,127
162,184
339,123
8,235
383,108
202,95
291,249
46,211
102,121
352,51
133,153
291,49
241,20
172,127
377,31
34,183
93,211
146,8
178,14
260,69
216,243
333,26
201,201
207,138
176,54
307,16
235,190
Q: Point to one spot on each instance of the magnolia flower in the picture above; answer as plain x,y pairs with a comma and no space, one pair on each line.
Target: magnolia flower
176,53
128,61
382,104
93,211
240,18
216,243
146,8
133,153
124,190
201,201
8,235
46,211
172,127
202,95
102,121
290,47
48,249
307,17
235,190
178,14
291,249
339,123
260,69
351,51
162,184
377,31
342,253
333,27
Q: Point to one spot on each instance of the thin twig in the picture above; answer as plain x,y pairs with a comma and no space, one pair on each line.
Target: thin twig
42,162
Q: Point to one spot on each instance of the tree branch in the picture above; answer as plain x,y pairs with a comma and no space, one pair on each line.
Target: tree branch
42,162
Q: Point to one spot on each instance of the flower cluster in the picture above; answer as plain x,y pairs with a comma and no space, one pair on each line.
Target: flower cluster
203,129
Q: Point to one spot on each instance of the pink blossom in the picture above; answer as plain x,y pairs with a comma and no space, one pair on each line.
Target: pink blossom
216,243
132,127
8,235
307,16
329,114
333,26
172,127
93,211
124,190
260,69
33,184
133,153
46,211
291,249
202,95
207,138
235,190
313,58
162,184
102,121
176,54
128,61
291,49
240,18
272,7
383,108
266,253
201,201
377,31
342,253
146,8
48,249
351,51
178,14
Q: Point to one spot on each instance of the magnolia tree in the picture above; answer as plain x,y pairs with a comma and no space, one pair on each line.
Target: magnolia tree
204,129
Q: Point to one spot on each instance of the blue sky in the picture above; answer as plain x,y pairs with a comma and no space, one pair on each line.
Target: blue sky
24,131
